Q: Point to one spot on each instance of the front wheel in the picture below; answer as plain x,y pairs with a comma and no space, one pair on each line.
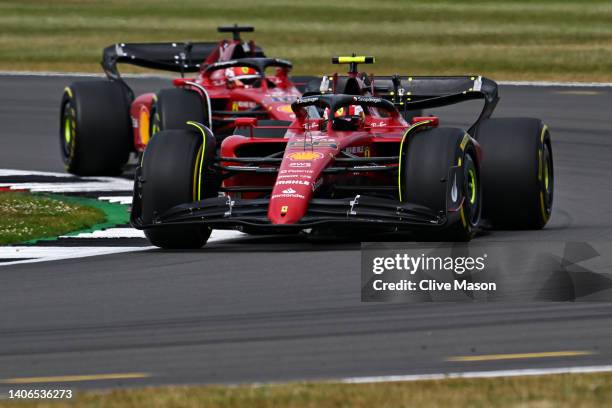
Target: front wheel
440,171
175,170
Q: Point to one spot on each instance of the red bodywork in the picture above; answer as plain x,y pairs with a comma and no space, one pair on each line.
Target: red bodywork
339,161
310,146
274,95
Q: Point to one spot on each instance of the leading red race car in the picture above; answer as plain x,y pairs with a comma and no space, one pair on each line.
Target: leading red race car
102,122
351,161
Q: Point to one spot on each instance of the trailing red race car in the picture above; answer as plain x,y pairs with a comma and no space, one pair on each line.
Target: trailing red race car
350,161
102,122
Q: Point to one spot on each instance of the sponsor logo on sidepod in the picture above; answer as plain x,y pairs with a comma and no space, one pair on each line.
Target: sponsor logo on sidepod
308,156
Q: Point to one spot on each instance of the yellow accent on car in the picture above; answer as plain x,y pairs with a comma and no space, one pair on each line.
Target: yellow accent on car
459,162
546,177
399,175
73,133
472,185
539,165
358,59
462,215
68,91
543,207
155,124
201,159
544,129
196,176
464,141
67,130
144,126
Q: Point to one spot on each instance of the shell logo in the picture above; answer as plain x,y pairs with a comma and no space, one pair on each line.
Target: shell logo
308,156
285,109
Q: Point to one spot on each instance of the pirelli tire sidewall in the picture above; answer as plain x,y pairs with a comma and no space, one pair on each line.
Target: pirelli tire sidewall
430,159
95,128
173,172
517,172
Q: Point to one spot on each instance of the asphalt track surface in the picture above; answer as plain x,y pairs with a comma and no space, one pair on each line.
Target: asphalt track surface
277,309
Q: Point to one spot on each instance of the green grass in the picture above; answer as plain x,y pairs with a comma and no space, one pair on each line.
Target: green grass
24,217
554,391
502,39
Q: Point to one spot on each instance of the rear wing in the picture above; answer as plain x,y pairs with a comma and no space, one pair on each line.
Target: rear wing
421,92
175,57
432,91
416,92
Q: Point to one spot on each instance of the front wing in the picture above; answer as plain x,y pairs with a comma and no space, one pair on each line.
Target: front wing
227,213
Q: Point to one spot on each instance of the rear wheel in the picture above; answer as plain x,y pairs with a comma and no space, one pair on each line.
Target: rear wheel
517,172
438,165
173,108
95,129
175,170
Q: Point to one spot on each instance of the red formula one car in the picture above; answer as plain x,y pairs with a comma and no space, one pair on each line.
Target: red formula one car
102,122
350,161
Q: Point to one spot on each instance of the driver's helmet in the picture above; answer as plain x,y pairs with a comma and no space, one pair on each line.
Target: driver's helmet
350,117
240,77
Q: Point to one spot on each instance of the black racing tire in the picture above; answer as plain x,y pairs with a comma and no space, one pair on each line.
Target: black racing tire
427,159
173,172
95,128
517,172
174,107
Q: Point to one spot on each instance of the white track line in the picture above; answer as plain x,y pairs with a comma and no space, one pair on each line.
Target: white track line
125,200
15,172
557,84
76,187
109,233
478,374
160,76
45,254
89,184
